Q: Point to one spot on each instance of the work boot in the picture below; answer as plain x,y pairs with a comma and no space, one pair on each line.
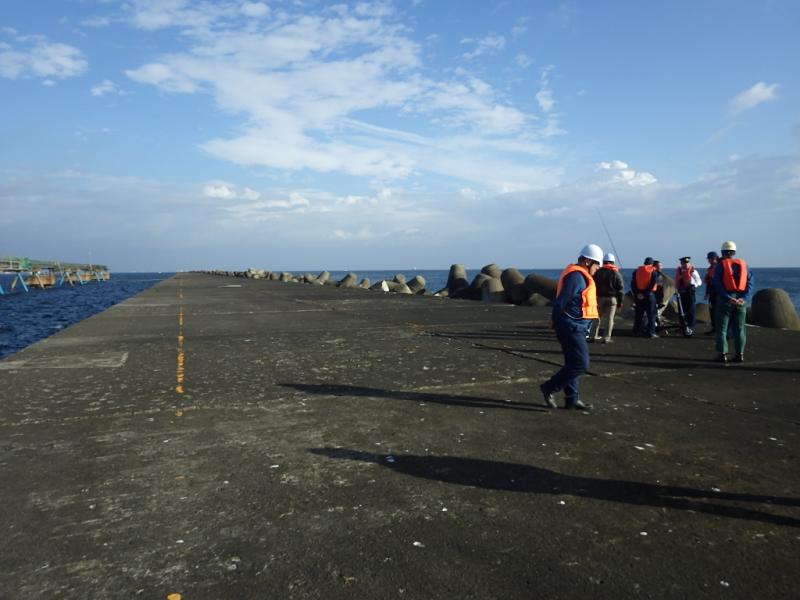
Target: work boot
721,358
738,358
577,405
549,399
653,335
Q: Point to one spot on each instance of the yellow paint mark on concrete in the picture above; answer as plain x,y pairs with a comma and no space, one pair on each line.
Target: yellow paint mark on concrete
178,413
180,369
174,597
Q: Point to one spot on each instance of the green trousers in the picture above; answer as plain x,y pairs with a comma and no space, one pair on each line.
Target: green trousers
726,313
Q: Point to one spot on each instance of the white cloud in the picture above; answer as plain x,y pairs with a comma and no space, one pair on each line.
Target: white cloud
750,98
520,27
302,82
41,59
254,9
624,175
491,44
523,60
228,191
545,100
106,87
365,233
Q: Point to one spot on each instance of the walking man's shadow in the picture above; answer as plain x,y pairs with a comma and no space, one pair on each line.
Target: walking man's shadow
535,480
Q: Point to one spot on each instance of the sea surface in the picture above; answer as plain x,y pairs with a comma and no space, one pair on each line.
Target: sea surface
26,318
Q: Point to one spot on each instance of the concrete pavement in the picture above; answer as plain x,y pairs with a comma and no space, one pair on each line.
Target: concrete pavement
229,438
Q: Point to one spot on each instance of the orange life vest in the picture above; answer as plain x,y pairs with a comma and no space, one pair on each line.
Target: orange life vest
642,277
610,267
730,282
710,275
683,277
588,295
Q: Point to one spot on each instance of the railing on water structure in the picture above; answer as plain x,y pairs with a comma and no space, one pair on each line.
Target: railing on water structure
28,273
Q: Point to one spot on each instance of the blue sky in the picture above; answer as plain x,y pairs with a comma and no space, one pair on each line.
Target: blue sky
302,135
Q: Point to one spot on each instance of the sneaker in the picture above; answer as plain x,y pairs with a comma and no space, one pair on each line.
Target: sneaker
653,335
738,358
577,405
607,340
549,399
721,358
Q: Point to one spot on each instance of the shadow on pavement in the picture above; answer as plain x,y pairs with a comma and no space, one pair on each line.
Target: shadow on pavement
465,401
535,480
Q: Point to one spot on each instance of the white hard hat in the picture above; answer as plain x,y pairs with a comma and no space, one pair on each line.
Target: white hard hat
593,252
609,258
729,245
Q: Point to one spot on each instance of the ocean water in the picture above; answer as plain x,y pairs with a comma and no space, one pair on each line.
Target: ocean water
26,318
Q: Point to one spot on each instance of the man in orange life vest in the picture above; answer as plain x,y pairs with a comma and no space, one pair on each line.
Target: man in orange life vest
574,309
643,288
733,283
711,293
687,280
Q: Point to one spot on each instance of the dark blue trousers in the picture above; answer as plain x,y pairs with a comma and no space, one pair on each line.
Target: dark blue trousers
645,314
688,302
572,336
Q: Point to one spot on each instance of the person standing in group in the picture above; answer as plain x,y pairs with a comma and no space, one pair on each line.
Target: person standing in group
574,309
711,293
643,288
661,301
687,280
610,288
733,283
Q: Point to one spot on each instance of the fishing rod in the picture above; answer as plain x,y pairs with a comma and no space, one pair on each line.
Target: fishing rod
613,246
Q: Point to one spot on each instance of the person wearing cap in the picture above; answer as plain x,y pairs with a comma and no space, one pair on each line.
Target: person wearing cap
610,288
574,309
711,294
643,288
661,301
687,280
733,283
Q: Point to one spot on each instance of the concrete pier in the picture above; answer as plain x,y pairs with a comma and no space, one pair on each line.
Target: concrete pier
232,438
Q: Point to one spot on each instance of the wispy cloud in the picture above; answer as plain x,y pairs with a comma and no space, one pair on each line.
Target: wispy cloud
491,44
35,56
299,82
752,97
106,87
623,174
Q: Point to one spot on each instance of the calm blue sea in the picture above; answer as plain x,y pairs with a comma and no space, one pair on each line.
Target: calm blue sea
26,318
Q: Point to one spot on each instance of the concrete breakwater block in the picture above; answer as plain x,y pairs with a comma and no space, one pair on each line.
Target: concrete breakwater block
539,284
286,276
772,307
537,299
399,278
492,291
701,313
473,292
514,285
492,270
348,281
417,284
323,277
391,286
457,282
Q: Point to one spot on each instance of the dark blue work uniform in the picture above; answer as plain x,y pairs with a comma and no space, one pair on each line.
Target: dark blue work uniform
571,329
